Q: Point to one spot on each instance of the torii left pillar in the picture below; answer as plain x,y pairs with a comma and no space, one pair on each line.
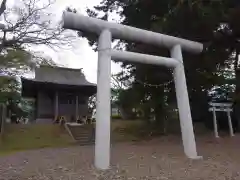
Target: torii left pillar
102,145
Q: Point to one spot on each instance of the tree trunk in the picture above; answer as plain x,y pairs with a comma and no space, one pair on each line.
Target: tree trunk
146,113
160,119
236,100
3,7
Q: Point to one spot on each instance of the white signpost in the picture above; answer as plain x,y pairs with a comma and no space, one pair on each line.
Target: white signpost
106,31
222,107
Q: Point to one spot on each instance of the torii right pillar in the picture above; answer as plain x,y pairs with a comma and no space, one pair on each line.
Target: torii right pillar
186,124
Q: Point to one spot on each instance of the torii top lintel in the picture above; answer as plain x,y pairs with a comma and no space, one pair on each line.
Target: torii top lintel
88,24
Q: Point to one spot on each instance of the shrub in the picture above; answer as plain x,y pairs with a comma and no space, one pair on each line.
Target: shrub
116,117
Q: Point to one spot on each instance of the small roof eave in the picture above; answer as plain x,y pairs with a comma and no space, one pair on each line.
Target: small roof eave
84,83
31,86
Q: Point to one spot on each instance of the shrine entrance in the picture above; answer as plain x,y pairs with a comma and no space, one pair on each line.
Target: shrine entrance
106,31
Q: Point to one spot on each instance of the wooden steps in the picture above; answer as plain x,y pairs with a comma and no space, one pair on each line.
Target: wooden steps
83,134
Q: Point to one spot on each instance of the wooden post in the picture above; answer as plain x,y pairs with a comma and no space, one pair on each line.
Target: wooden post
230,123
215,123
56,106
3,110
76,113
37,107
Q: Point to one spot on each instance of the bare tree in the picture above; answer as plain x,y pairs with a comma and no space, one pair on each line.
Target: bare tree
26,24
30,24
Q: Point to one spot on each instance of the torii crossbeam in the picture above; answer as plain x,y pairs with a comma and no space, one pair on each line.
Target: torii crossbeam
107,31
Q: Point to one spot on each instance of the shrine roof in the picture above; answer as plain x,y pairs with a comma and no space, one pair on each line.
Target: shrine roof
60,75
57,79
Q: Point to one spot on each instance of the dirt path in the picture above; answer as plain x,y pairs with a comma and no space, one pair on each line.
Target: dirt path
158,159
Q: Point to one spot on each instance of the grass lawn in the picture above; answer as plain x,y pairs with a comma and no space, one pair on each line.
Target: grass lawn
126,130
26,137
35,136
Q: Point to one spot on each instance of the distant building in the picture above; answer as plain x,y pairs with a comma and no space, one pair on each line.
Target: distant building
58,92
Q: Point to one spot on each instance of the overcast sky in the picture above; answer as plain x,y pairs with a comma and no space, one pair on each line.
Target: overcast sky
82,56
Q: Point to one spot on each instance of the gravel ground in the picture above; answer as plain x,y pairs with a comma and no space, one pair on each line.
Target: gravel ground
160,159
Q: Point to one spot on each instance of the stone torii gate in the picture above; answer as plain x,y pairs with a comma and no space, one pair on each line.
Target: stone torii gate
107,31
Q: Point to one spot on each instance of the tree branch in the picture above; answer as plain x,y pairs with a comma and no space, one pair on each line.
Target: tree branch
33,26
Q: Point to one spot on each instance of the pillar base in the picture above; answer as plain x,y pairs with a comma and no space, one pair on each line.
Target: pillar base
196,158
